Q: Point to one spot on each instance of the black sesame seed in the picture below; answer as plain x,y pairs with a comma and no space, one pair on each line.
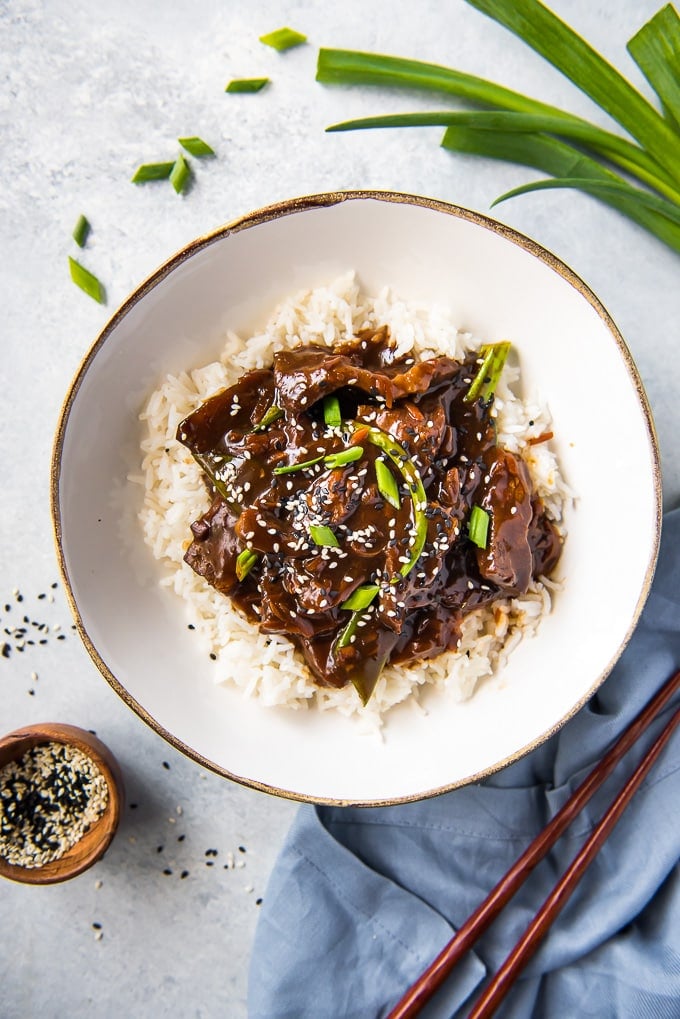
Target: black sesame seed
97,926
181,838
185,873
258,902
166,765
159,849
167,871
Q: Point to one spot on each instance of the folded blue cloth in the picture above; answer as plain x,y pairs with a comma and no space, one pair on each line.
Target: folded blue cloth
361,900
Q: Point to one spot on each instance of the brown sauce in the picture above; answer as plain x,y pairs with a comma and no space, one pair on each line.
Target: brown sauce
291,544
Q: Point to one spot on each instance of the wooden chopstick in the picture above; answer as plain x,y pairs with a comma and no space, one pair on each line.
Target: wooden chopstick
466,936
498,987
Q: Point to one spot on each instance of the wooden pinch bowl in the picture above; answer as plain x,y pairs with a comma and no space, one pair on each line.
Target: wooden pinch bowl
96,840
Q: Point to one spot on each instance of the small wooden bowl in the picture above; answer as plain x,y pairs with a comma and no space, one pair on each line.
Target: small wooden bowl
96,840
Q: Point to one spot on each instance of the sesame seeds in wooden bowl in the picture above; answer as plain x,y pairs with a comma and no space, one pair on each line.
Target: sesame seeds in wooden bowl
60,798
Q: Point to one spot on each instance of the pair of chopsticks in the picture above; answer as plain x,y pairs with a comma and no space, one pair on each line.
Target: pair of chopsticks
492,995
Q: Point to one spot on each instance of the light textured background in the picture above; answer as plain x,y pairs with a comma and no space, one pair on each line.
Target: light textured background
89,92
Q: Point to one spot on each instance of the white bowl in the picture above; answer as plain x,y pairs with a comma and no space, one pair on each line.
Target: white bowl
498,284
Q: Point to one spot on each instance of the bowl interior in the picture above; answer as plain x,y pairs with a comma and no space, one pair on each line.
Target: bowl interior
96,840
498,286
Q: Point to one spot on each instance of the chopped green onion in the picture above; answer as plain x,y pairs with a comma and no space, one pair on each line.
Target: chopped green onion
485,381
81,231
344,457
323,536
361,598
246,84
283,39
84,279
196,147
408,470
387,486
180,174
271,415
478,526
245,562
289,468
152,171
331,411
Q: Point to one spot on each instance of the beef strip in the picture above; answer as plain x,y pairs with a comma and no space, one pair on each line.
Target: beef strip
324,533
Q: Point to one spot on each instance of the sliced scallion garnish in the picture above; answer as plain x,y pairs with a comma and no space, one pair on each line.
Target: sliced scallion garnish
344,457
387,486
283,39
408,470
323,536
331,412
81,231
88,282
245,562
246,84
152,171
361,598
289,468
484,384
478,526
196,147
271,415
180,174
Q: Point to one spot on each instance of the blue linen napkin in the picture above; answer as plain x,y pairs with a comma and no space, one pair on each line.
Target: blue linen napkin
361,900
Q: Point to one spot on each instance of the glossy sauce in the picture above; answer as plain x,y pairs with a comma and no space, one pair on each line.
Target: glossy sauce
296,586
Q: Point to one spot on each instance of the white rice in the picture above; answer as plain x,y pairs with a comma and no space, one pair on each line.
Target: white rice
268,667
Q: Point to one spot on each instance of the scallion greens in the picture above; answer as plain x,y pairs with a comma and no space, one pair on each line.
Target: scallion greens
283,39
246,84
81,231
196,147
88,282
640,177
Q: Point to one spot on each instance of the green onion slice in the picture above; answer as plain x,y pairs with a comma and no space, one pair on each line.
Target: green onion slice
361,598
478,526
180,174
387,486
246,84
196,147
331,412
283,39
81,231
344,457
84,279
323,536
152,171
245,562
289,468
484,384
271,415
